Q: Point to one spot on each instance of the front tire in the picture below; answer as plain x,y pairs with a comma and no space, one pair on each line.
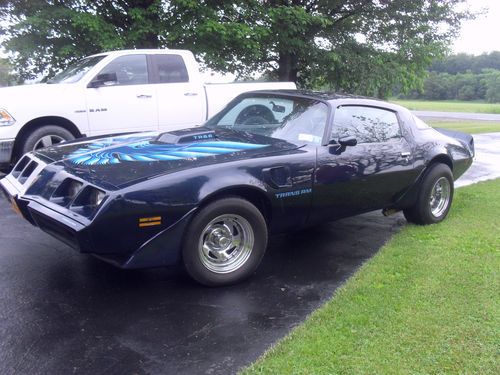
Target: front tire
225,242
434,198
45,136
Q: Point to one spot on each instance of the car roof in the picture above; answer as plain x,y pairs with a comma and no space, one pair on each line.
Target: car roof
334,98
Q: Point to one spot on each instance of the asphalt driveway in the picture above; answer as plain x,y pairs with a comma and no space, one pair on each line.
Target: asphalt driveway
62,312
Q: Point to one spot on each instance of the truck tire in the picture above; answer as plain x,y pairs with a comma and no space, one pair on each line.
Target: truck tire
225,242
44,136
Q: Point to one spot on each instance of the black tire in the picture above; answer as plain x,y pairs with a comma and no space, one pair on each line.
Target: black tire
428,211
210,228
36,139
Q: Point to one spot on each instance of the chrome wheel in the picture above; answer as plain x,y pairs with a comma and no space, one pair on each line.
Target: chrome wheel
226,243
440,197
47,141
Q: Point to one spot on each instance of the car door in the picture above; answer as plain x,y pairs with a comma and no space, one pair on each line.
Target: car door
181,98
120,97
369,175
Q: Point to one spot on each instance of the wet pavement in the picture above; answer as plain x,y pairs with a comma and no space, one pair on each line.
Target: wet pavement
486,164
62,312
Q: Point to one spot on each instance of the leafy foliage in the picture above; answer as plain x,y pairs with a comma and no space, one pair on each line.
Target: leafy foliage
356,45
44,36
461,86
6,76
463,63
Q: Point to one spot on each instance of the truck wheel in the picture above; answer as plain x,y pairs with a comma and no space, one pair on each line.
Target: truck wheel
225,242
434,198
45,136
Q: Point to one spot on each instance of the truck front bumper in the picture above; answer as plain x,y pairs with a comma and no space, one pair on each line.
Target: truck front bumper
6,148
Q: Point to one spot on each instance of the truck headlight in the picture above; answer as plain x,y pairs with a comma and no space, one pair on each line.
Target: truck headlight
5,118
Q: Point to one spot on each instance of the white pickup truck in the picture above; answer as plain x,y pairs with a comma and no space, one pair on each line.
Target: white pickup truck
113,92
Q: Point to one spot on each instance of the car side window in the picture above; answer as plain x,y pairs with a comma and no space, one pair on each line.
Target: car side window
170,69
129,70
367,124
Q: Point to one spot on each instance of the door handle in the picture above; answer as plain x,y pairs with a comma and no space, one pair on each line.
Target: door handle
190,94
144,96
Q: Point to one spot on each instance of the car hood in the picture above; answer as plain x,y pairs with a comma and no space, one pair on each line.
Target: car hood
122,160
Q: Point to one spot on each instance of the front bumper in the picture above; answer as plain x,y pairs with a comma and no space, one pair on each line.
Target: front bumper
114,237
162,249
6,148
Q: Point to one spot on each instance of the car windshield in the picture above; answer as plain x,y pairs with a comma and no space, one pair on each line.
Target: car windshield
76,70
297,120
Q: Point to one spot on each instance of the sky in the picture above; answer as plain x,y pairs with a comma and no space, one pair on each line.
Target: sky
482,34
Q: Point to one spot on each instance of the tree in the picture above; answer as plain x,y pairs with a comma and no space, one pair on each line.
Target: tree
6,77
357,45
493,86
44,36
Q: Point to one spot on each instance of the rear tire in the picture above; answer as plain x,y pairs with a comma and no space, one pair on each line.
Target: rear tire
225,242
45,136
434,198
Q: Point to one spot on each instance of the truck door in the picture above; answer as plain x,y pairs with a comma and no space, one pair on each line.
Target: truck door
181,100
120,97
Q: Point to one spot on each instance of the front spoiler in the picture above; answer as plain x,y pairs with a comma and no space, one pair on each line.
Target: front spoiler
163,249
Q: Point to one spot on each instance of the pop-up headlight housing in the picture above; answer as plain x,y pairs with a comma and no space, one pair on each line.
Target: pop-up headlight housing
87,202
66,192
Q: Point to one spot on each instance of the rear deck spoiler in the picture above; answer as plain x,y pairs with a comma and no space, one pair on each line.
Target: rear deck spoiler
466,139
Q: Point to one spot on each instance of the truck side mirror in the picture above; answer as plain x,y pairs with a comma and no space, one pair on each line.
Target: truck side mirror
104,79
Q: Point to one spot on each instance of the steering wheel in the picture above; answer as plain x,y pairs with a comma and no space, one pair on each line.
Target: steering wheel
256,114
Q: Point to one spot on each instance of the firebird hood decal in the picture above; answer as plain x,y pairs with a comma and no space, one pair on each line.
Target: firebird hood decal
103,152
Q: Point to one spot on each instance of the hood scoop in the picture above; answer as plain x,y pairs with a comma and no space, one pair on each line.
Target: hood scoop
186,136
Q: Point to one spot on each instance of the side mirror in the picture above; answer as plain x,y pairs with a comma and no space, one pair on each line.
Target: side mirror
104,79
348,141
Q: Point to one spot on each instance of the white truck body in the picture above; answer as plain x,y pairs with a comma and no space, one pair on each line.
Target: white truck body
158,90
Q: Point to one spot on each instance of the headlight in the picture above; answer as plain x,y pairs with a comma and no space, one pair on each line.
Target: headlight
5,118
66,191
96,197
89,199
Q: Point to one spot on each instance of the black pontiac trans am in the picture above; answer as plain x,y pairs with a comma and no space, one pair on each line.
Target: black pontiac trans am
208,197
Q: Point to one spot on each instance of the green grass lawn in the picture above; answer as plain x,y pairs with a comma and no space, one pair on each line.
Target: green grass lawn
449,106
471,127
427,303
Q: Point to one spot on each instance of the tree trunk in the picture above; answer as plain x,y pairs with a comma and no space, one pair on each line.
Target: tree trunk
287,70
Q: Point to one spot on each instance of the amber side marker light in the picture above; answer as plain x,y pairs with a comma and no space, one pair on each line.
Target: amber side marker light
149,221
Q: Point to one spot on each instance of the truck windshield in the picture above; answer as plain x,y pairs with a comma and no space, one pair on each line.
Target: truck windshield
76,70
